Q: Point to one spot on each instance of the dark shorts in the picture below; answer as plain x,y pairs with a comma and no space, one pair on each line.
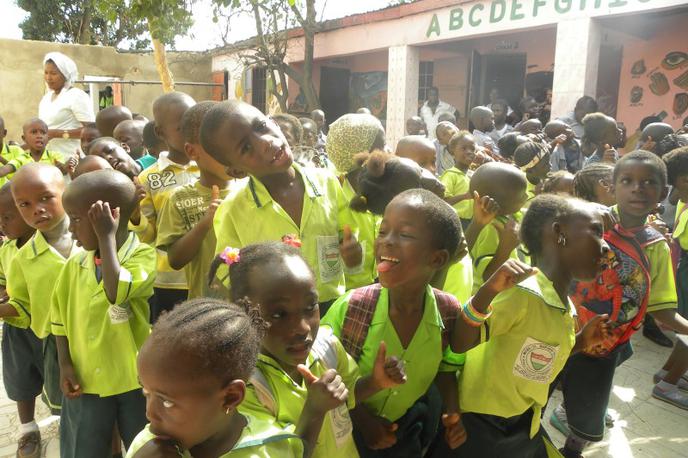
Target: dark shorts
87,423
164,300
52,394
22,363
417,429
587,384
682,284
489,436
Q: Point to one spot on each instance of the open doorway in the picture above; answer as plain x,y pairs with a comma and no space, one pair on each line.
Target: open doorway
504,72
334,92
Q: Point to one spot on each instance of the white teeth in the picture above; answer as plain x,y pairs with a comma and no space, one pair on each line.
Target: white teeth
387,258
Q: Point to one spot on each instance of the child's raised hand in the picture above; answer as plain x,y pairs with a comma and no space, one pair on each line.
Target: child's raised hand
69,384
140,190
649,144
350,250
72,162
454,431
509,274
215,202
387,372
325,393
508,234
591,338
485,209
104,220
609,155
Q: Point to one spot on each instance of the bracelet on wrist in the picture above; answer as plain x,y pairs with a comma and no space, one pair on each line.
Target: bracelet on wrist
472,316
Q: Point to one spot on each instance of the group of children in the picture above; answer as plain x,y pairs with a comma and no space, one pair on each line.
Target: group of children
340,301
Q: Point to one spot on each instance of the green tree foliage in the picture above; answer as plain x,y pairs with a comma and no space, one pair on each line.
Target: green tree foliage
108,22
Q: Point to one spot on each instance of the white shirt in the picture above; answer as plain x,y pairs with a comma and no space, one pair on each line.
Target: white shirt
496,134
67,111
484,139
432,119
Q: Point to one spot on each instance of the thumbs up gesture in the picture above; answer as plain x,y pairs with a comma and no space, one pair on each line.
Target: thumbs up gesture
387,372
325,393
454,432
350,249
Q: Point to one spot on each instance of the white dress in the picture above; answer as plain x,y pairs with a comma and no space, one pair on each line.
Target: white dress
67,111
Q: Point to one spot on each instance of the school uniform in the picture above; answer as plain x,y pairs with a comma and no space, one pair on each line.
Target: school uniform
183,210
681,235
485,247
252,216
20,160
31,279
505,380
8,153
259,439
364,227
159,181
459,279
22,351
457,182
272,394
415,405
104,340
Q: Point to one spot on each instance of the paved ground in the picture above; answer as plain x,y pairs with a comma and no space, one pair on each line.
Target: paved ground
644,428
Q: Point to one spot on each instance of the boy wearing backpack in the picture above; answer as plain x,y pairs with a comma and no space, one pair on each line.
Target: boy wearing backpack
418,234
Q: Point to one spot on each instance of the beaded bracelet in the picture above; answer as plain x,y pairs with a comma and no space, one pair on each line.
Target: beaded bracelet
474,317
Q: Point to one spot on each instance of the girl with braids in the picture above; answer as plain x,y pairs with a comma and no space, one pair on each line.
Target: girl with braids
303,376
193,369
594,184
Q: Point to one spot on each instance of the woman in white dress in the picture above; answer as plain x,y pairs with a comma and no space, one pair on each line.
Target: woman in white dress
64,108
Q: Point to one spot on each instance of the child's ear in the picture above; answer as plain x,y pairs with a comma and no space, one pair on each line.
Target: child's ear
125,147
233,394
440,259
190,151
159,133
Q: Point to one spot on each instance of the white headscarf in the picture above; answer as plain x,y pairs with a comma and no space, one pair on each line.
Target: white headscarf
66,66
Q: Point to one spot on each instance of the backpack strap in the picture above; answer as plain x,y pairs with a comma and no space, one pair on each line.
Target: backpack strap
647,235
449,308
359,314
263,391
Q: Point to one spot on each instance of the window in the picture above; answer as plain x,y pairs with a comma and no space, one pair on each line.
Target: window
258,84
424,80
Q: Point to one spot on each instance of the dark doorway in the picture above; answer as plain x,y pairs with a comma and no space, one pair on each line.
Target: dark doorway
258,95
334,92
608,75
506,72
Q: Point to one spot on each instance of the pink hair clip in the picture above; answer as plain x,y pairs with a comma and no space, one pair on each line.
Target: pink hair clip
292,239
230,255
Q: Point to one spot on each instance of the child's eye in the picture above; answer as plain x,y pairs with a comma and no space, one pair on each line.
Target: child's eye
167,404
276,316
246,148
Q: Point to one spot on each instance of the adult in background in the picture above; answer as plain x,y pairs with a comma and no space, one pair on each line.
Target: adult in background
585,105
64,108
431,110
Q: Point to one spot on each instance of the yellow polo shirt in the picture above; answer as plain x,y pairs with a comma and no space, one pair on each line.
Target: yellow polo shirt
30,282
48,157
9,153
259,439
423,358
289,397
104,338
252,216
160,180
662,282
184,208
8,250
457,182
459,280
364,227
525,344
681,225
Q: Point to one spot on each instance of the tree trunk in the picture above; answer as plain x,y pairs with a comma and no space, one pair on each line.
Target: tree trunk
309,25
85,25
161,65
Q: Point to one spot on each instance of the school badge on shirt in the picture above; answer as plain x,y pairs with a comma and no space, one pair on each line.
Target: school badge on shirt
535,361
329,263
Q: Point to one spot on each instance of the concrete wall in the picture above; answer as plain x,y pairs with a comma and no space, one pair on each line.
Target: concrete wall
22,86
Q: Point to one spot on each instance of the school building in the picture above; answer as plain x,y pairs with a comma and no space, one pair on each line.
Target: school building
631,55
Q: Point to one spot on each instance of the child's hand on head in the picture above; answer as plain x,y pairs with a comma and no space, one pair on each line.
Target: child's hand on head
485,209
350,250
72,162
591,338
649,145
387,372
62,166
69,384
454,431
508,234
104,220
325,393
560,139
509,274
158,448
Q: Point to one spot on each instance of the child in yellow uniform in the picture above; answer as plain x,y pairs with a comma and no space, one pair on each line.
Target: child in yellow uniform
350,139
172,170
37,190
185,228
35,134
22,351
457,179
7,151
525,323
418,236
194,368
303,375
100,316
280,199
494,239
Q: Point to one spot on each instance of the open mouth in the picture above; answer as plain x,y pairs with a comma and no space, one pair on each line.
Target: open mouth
301,349
279,155
387,263
41,220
